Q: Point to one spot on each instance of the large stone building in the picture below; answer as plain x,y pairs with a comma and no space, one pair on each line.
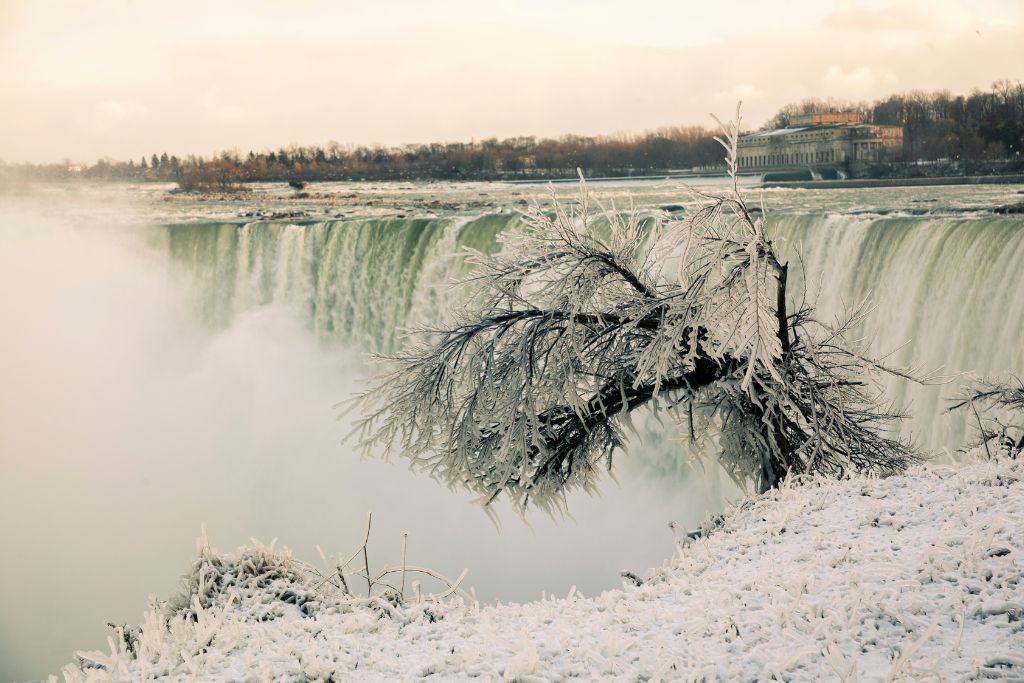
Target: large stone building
829,139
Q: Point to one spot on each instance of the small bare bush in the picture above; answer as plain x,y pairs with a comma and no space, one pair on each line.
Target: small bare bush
218,175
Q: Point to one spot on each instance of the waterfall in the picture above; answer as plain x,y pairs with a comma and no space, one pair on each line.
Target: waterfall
361,282
945,296
945,289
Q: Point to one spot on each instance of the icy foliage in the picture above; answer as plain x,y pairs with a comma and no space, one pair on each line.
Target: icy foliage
587,314
998,409
913,577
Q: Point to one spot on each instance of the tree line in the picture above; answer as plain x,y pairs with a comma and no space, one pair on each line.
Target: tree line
938,126
673,148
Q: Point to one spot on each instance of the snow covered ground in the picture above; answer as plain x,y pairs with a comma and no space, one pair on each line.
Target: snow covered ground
916,577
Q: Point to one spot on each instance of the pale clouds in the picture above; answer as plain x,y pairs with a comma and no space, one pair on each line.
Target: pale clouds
741,92
114,110
109,115
916,17
858,81
217,109
110,78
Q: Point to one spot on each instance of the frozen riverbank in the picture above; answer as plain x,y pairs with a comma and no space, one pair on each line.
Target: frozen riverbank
907,577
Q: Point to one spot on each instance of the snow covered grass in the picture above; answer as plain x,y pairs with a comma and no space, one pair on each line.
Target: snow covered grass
913,577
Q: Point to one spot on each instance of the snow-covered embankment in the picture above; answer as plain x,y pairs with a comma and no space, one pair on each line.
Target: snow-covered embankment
910,577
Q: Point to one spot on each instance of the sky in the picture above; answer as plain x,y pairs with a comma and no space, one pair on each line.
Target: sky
125,78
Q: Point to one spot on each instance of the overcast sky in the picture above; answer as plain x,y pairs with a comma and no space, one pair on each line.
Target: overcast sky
123,78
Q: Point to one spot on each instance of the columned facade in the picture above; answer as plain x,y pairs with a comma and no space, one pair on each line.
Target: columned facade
820,140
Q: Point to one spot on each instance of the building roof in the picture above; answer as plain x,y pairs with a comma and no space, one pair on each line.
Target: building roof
825,117
778,131
787,131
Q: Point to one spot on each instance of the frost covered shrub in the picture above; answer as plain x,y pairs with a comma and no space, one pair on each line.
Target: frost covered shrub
590,313
271,582
228,597
266,578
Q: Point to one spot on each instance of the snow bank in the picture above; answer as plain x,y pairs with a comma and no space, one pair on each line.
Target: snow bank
906,578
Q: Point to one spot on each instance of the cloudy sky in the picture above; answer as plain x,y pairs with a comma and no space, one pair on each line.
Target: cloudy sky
122,78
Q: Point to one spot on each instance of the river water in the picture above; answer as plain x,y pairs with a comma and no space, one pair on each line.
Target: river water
168,362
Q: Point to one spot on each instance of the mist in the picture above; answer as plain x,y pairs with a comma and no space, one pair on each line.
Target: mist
125,424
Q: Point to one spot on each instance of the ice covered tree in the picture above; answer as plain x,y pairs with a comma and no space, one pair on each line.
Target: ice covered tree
998,408
588,314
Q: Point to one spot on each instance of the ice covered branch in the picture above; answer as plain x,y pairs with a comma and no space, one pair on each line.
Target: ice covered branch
997,407
587,315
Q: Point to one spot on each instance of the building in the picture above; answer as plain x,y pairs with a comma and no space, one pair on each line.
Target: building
827,139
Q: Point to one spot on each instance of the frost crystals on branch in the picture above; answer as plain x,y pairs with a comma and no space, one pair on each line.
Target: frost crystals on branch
1002,405
587,314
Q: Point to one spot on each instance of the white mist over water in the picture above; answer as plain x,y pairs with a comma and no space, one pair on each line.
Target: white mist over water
126,423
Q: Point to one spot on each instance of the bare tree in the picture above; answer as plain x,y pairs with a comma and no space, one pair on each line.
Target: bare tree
588,314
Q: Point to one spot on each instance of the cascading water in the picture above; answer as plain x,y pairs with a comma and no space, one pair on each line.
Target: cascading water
942,287
944,295
359,282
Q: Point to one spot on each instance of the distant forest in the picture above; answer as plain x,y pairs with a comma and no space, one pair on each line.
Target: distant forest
967,131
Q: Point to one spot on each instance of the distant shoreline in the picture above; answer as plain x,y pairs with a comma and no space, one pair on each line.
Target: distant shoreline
1010,179
619,178
852,183
748,180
